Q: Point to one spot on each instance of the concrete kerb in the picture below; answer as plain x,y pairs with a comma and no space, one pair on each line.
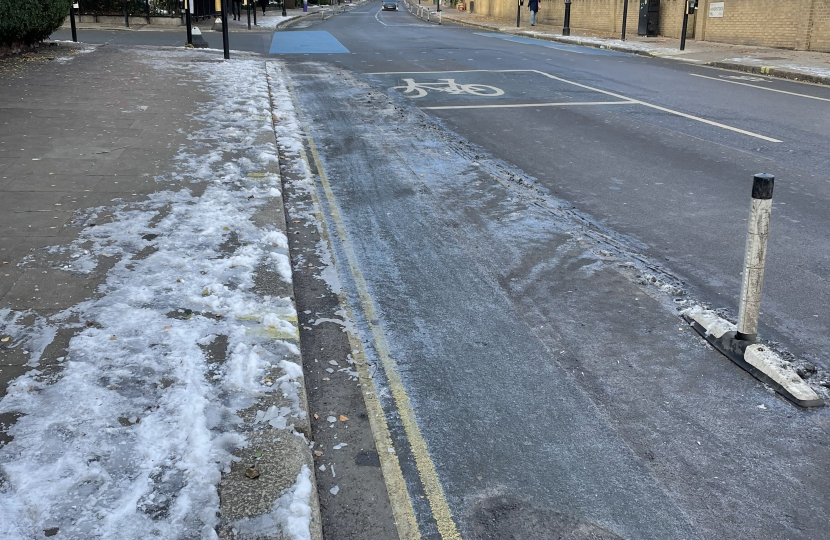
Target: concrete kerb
734,66
772,72
276,454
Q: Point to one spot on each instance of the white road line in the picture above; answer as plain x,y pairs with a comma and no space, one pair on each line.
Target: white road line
454,71
761,87
506,106
377,15
606,92
400,25
664,109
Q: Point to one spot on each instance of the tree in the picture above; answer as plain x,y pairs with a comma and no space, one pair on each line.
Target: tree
25,22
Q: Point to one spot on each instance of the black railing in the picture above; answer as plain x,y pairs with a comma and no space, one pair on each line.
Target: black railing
145,8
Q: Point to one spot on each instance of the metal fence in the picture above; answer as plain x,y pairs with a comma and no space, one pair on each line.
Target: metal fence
144,8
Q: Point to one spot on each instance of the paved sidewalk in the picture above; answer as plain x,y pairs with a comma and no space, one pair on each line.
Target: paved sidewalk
797,65
150,372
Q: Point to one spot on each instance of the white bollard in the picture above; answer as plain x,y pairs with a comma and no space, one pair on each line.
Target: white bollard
755,257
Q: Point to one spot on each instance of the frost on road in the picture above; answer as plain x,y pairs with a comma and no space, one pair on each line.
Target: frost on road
130,436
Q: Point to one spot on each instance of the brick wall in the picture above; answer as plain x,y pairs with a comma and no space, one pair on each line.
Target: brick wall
771,23
789,24
820,32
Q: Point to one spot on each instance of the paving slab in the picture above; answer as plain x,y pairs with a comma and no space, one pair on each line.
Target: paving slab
107,176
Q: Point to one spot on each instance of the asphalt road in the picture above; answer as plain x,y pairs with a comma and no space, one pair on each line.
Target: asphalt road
676,184
557,395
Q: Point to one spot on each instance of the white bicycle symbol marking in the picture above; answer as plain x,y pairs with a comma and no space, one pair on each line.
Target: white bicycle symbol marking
419,90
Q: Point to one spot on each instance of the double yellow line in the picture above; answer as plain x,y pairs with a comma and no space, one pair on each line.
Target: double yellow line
395,484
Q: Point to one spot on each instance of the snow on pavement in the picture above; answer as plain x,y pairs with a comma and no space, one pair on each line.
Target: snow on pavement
130,438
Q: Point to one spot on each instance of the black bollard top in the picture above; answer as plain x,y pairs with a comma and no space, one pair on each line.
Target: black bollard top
762,186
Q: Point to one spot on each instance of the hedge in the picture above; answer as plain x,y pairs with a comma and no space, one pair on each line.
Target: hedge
25,22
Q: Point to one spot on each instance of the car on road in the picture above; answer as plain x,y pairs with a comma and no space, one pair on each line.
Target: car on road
391,5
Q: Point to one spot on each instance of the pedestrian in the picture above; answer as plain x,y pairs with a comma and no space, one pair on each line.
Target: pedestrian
533,5
264,3
236,10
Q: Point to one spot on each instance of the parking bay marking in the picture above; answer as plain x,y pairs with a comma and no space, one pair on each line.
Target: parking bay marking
760,87
606,92
505,106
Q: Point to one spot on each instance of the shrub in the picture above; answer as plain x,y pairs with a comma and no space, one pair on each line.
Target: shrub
25,22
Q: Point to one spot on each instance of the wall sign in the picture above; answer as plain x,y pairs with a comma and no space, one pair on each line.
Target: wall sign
716,10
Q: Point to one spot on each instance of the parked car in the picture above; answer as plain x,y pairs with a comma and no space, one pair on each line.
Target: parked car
391,5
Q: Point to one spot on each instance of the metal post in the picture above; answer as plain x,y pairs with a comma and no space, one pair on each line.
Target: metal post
248,10
566,30
439,5
755,257
254,1
284,14
147,10
188,21
685,23
625,18
72,21
225,44
519,13
126,15
305,6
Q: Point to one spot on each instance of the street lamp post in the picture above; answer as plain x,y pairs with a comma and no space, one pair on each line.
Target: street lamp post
625,18
225,44
72,21
188,21
691,5
566,30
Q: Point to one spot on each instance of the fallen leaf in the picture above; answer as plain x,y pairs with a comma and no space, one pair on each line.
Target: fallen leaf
113,338
31,389
316,416
226,228
5,339
318,453
267,380
252,473
343,418
112,387
89,323
167,327
258,453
